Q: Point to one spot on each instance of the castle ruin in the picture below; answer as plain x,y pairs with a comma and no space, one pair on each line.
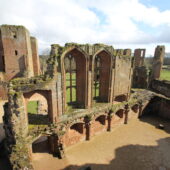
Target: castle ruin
85,90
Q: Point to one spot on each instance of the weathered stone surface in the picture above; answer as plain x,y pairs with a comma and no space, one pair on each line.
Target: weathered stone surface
35,57
162,87
157,62
87,117
140,72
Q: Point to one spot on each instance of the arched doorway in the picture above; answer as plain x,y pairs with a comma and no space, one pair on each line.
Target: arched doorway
135,108
101,119
40,145
102,77
98,125
75,73
120,113
75,134
121,98
38,107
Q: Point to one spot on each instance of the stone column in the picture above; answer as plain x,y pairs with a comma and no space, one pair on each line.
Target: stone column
157,62
126,113
58,148
140,109
137,108
109,118
87,126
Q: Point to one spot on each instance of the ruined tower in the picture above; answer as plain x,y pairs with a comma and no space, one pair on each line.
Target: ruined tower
35,57
139,56
140,77
157,62
18,55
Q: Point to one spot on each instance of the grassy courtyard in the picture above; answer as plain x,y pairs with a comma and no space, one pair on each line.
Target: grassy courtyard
32,107
165,74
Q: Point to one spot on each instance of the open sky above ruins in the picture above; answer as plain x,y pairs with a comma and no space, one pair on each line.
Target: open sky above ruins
121,23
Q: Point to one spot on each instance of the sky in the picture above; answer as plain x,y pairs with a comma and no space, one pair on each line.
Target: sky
121,23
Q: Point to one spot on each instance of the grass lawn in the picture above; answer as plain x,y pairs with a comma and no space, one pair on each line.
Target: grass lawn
68,89
165,74
32,107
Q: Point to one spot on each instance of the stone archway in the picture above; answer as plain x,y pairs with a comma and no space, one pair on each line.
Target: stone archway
74,134
74,64
135,108
40,145
118,118
98,125
102,76
38,106
120,113
121,98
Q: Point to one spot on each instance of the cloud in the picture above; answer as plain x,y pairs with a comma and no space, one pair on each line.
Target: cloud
89,21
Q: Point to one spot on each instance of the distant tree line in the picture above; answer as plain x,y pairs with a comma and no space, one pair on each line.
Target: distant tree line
149,60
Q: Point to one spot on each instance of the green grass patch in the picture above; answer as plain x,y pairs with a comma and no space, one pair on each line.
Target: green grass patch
96,91
68,89
32,107
165,74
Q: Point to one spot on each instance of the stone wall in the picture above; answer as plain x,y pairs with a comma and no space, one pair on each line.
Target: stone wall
157,62
158,106
2,132
140,72
140,77
139,56
17,53
161,86
2,61
85,119
115,76
35,57
123,76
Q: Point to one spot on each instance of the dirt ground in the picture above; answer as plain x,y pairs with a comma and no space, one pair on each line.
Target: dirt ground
139,145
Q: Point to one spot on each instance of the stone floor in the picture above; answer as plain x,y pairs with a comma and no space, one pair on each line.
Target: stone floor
136,146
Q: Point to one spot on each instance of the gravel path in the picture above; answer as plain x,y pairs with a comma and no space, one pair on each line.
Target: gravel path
138,145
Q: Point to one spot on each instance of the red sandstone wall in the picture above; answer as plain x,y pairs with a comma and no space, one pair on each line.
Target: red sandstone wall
2,66
116,120
105,63
139,56
17,51
165,109
123,72
35,57
3,93
96,128
72,137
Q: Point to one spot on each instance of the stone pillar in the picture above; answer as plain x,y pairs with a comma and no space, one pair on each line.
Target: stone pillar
126,113
139,56
57,148
35,57
109,118
157,62
60,148
88,127
140,109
